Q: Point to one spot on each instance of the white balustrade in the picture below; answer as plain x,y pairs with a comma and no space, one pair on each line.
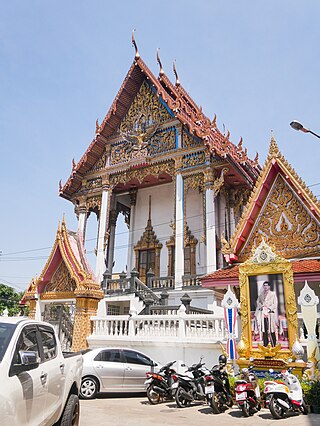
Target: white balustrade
178,326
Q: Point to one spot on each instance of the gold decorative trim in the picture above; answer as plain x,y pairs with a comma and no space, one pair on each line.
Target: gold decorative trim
290,174
255,266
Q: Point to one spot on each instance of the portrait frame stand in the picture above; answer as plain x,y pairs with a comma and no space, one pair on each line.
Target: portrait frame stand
265,262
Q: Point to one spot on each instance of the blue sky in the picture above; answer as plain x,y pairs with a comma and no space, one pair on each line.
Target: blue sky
253,63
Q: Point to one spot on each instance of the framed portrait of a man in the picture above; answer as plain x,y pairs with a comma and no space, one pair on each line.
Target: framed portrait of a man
268,310
268,319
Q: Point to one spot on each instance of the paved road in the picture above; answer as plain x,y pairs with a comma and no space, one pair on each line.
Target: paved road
136,411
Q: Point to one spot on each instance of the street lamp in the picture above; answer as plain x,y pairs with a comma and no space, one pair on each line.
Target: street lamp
298,126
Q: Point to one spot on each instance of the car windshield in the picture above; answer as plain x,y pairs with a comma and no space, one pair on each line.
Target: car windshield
6,331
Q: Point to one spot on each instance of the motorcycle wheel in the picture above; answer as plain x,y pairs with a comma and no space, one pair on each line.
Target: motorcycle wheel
181,400
304,409
214,404
245,409
230,401
153,396
276,410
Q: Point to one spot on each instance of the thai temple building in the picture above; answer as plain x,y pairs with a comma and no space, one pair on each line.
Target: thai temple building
207,226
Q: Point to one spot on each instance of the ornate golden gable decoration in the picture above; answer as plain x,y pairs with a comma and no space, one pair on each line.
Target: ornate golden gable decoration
146,109
264,261
141,144
70,270
61,281
285,222
291,175
141,174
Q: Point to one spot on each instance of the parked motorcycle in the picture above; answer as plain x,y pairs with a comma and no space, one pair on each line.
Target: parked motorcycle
158,385
284,396
188,389
247,392
217,387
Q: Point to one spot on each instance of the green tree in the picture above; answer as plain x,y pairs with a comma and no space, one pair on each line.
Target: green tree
9,298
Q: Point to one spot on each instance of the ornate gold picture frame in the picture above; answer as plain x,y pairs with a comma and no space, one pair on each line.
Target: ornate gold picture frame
268,330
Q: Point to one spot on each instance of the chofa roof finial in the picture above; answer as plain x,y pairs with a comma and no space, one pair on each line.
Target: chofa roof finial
137,55
176,74
161,72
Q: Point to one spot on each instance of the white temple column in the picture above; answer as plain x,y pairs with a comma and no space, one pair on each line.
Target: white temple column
179,230
81,212
100,265
130,256
111,241
211,246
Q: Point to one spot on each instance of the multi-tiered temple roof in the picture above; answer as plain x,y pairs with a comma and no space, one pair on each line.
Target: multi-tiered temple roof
181,107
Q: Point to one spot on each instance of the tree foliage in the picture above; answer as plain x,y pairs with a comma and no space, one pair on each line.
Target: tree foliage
9,298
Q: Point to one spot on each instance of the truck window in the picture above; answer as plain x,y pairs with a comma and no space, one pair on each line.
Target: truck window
6,332
26,342
48,343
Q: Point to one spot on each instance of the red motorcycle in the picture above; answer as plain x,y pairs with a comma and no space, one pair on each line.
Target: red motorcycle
248,393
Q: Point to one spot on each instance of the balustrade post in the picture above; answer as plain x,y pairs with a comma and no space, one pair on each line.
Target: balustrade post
150,275
131,321
134,274
182,322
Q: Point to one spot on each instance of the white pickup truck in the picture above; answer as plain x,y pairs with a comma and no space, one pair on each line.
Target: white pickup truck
39,385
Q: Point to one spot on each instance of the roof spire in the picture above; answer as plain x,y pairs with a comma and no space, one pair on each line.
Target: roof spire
176,74
273,149
161,72
137,55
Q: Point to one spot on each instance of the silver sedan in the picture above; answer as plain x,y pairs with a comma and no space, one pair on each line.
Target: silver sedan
114,370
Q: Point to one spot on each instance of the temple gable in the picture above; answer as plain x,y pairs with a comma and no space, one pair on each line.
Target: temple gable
281,210
285,223
61,281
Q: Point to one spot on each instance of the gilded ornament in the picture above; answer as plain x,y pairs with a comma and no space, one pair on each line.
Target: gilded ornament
193,159
286,224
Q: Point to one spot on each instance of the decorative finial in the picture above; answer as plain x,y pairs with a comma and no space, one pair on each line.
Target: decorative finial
97,127
60,185
273,150
176,74
137,55
240,143
214,121
74,165
256,160
161,72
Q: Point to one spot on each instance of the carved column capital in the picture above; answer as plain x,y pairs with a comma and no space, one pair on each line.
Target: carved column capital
106,183
208,176
178,163
113,217
133,196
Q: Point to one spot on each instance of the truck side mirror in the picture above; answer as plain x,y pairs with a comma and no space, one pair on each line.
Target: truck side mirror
29,360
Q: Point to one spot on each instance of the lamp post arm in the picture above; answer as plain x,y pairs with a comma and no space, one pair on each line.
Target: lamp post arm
314,134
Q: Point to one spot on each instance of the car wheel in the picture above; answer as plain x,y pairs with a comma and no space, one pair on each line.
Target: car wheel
71,413
88,388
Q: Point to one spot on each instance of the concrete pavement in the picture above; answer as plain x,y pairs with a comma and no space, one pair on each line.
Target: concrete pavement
136,411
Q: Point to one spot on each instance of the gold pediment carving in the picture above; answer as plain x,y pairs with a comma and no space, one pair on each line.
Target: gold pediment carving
285,223
145,110
61,281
